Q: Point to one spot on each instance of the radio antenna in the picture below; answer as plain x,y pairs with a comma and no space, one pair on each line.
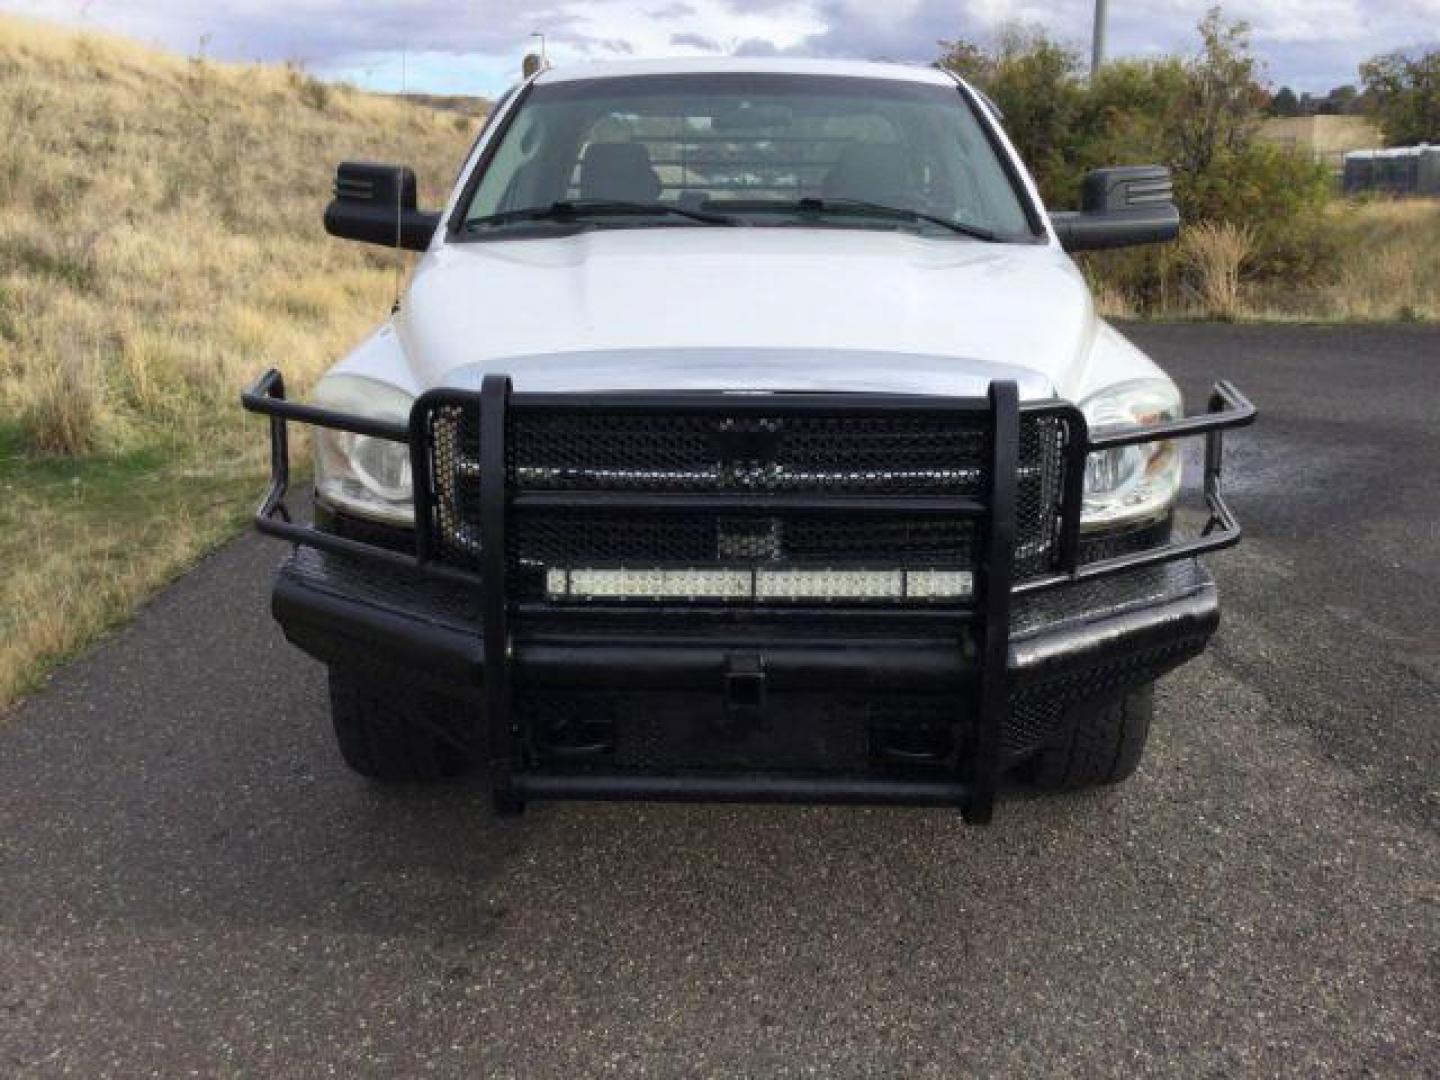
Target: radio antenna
400,187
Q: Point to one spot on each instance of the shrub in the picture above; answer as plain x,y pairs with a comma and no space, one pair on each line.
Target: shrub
1276,193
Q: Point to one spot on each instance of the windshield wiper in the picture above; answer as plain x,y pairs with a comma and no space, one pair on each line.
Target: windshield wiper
832,204
577,209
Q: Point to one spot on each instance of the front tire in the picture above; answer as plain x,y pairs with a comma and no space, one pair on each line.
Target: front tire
1102,744
395,732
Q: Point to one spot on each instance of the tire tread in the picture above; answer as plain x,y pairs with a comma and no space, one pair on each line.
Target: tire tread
1101,745
389,731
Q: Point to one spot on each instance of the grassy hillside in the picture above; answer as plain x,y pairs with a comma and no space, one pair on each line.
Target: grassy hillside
160,244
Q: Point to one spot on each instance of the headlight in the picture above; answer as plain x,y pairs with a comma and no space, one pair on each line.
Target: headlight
358,474
1131,483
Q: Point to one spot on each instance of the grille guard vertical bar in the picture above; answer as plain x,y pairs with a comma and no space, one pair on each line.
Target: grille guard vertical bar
1077,452
422,474
274,503
1214,455
994,571
494,601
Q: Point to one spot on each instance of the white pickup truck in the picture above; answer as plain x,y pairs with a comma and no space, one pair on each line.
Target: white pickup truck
745,432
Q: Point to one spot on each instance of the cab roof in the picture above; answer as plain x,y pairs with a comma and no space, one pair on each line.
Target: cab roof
858,69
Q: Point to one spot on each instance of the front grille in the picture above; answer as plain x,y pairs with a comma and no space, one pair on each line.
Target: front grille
757,461
832,455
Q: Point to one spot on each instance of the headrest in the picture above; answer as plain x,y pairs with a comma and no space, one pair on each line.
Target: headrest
620,171
868,171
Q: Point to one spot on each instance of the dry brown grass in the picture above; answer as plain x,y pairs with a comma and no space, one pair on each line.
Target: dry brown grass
1391,270
1214,254
1111,301
160,244
1388,271
61,415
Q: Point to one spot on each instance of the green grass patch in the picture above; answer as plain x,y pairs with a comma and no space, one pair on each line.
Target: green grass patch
82,539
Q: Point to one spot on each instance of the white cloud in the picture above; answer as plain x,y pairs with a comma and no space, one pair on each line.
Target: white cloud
787,25
476,45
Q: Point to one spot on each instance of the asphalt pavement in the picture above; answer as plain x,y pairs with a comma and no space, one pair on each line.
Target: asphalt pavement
191,882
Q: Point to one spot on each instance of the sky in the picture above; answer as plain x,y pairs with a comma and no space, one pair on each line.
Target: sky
475,46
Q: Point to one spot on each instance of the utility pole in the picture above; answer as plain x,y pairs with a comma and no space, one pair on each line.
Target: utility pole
1097,39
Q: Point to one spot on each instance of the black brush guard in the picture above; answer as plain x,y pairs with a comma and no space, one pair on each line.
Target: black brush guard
991,510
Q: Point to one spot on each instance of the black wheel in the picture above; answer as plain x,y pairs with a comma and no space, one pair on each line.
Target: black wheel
507,801
391,730
1102,744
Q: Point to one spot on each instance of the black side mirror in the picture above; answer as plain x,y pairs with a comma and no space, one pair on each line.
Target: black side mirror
376,204
1120,207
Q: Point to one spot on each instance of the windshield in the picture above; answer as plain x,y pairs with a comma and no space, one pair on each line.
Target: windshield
745,149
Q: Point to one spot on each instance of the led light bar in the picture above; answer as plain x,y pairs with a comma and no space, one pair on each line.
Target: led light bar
756,585
829,584
634,584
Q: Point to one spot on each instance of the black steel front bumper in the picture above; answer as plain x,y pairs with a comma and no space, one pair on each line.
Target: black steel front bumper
1093,640
902,706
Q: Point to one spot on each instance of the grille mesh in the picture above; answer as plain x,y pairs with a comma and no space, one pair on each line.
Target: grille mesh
453,444
833,455
1040,485
883,454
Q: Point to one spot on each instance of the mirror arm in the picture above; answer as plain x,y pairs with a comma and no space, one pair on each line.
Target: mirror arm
417,227
1063,221
1084,231
375,224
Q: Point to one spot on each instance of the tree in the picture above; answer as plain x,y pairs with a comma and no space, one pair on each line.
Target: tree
968,59
1341,101
1036,83
1404,90
1285,103
1222,101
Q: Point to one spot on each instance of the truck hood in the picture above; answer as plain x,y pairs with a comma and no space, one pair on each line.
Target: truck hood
748,309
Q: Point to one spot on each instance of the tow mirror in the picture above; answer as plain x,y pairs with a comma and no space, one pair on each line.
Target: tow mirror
1120,207
376,204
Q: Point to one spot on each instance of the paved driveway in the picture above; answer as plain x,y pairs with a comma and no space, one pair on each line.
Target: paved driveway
190,881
